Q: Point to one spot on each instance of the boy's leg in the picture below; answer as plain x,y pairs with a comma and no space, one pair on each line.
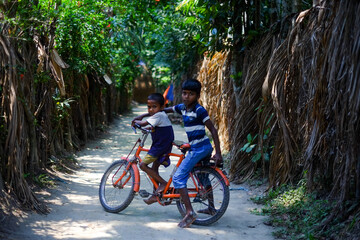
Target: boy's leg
153,172
162,185
180,178
155,166
206,184
151,200
211,208
190,215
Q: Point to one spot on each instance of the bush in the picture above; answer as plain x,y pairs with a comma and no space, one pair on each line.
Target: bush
295,213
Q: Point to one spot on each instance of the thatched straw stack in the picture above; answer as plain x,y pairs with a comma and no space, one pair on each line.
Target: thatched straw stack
316,100
246,118
217,93
303,93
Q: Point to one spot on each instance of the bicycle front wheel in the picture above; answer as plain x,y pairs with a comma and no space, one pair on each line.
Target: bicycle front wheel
212,197
116,193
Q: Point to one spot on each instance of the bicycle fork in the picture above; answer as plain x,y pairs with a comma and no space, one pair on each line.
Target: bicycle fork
130,164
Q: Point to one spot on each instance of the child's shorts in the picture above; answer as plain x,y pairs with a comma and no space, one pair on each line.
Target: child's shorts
163,160
149,159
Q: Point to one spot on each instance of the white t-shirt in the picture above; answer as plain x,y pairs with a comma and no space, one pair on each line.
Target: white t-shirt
159,119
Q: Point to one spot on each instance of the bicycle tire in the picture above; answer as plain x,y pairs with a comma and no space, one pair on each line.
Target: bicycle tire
220,191
116,198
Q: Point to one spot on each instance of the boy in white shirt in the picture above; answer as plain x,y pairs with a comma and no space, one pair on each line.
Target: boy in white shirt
162,138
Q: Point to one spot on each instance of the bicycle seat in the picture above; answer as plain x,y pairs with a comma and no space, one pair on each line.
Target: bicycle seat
181,145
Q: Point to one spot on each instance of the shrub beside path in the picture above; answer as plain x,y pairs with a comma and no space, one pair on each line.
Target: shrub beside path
76,212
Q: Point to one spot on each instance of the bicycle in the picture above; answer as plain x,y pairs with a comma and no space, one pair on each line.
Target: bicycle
207,185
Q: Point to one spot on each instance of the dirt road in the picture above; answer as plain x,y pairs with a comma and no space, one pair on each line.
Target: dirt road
76,212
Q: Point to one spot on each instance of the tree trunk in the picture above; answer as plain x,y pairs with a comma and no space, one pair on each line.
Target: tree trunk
257,17
34,165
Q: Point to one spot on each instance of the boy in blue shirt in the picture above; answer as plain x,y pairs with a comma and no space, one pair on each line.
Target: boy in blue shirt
162,138
195,118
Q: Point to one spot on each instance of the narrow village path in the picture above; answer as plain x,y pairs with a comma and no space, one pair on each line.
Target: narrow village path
76,212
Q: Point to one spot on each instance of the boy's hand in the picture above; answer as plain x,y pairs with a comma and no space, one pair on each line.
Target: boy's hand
138,118
218,159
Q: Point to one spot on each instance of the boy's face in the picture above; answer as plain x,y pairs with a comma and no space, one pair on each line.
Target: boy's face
189,97
154,107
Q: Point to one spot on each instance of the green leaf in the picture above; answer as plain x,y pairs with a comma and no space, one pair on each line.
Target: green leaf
256,157
249,138
245,147
190,20
251,147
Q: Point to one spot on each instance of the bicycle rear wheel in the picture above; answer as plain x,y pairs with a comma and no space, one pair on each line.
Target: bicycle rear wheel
115,197
212,197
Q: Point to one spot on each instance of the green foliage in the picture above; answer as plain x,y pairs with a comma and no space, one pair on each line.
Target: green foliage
237,77
213,20
251,147
42,77
233,23
294,212
98,36
65,164
122,38
62,107
163,77
43,180
113,37
168,38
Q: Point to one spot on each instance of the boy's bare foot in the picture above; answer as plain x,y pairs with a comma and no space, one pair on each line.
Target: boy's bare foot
150,200
161,188
208,211
187,220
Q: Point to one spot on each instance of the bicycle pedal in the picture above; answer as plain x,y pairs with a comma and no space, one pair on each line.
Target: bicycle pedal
197,199
144,194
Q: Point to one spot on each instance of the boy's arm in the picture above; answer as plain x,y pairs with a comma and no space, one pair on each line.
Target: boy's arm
217,157
139,118
169,110
141,123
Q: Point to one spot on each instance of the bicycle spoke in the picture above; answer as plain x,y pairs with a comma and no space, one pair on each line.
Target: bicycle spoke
117,187
212,197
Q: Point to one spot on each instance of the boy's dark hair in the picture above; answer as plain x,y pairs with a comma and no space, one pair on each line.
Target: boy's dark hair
157,97
192,85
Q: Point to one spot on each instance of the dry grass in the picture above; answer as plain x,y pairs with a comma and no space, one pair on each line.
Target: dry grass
216,93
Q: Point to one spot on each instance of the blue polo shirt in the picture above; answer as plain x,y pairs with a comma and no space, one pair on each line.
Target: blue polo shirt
194,124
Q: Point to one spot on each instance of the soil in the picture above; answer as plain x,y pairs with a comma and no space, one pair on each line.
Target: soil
76,212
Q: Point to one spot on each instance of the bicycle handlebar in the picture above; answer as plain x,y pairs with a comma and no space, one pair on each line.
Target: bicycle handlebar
137,126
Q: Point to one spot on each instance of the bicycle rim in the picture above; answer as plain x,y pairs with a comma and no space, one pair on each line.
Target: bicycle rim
115,197
212,196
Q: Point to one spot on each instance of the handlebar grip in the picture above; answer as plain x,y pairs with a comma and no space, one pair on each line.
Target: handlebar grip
136,125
